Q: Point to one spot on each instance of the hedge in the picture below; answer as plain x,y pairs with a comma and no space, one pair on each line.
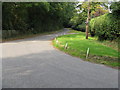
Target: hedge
106,27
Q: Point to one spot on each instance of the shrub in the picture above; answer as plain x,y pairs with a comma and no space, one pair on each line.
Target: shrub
106,27
80,27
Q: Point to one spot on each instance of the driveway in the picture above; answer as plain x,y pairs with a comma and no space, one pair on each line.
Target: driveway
35,63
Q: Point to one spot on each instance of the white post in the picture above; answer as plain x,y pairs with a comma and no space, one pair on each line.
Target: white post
66,45
87,53
56,41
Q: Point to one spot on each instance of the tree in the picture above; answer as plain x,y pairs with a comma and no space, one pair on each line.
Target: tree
98,8
87,21
36,17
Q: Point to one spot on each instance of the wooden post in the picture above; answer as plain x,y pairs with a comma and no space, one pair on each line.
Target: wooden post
87,21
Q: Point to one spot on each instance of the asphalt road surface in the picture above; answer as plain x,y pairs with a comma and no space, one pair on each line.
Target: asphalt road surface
35,63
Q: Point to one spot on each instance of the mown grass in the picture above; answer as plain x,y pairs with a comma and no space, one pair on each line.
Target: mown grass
100,52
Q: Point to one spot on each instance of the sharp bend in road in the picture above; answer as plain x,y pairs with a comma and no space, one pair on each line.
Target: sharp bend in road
35,63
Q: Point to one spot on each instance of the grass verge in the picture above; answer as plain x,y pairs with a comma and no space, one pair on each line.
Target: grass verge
100,52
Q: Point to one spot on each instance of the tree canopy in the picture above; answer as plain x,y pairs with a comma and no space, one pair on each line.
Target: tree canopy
36,17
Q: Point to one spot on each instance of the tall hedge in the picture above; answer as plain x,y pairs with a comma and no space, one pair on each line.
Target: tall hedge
35,17
106,27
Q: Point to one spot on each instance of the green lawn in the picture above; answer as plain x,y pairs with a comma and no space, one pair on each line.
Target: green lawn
100,52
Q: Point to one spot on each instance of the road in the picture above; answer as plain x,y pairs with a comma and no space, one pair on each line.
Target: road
35,63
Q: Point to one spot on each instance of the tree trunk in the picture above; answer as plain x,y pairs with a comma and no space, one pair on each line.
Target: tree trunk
87,21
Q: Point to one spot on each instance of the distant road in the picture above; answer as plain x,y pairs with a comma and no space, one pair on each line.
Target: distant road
35,63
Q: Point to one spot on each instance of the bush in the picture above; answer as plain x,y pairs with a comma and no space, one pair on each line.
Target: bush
106,27
80,27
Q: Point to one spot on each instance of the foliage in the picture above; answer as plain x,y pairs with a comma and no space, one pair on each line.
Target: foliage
98,11
36,17
96,8
14,16
106,27
80,27
115,7
79,19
